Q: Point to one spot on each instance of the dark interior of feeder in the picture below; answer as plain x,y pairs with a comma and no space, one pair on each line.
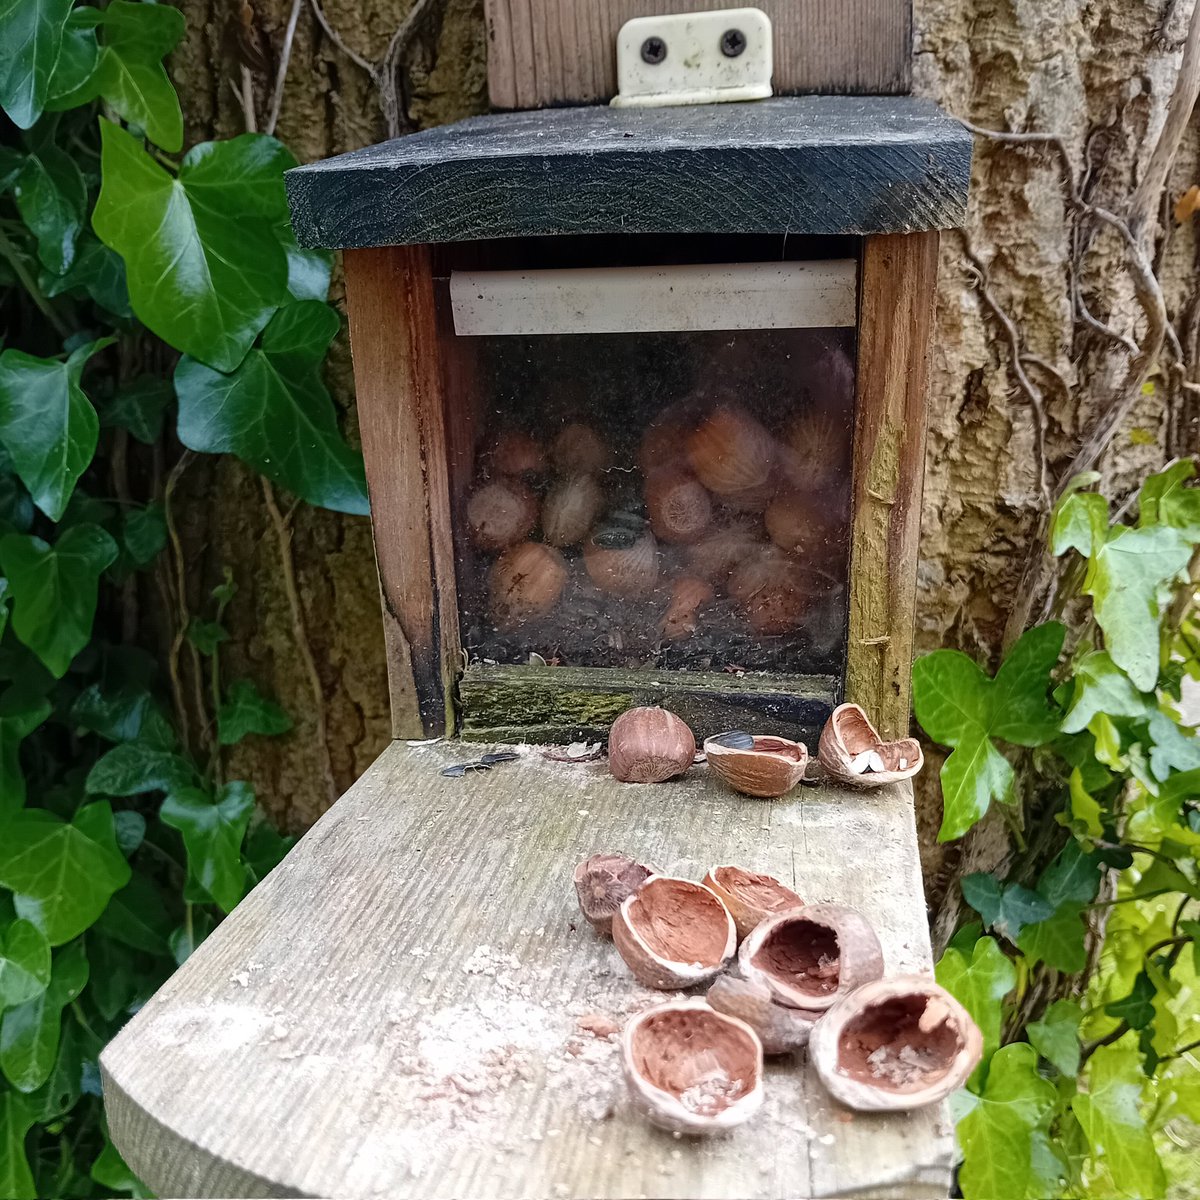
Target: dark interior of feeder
669,501
886,1046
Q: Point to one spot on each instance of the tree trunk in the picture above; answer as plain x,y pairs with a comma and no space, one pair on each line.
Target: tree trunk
1098,74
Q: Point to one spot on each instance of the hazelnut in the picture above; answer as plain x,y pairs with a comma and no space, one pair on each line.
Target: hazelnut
649,745
602,882
501,513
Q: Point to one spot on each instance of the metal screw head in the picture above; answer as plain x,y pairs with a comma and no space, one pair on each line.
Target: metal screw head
654,50
733,42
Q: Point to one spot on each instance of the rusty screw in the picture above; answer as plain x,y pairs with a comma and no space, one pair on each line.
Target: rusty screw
733,42
654,50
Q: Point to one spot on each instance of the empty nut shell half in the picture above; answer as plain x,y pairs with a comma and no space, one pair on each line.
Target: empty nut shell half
853,753
602,882
780,1029
691,1069
770,769
810,957
895,1044
673,933
750,898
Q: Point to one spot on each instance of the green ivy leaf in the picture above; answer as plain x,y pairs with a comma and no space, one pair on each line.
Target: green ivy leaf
308,270
137,917
16,1120
1068,884
113,985
1101,688
1137,1008
51,197
1005,909
135,768
76,63
264,849
20,715
1086,813
111,1172
1079,522
1172,749
47,424
139,407
63,1086
144,534
187,937
1164,500
979,981
61,875
246,712
274,413
1056,1036
959,706
205,269
29,1033
54,590
996,1135
1124,579
24,963
1109,1112
212,834
124,714
31,33
206,636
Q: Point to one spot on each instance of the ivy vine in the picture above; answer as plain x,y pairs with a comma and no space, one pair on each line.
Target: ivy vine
1082,973
154,305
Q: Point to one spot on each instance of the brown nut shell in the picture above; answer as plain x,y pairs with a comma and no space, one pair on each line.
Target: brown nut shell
525,581
781,1030
895,1044
602,882
501,513
580,450
649,745
689,594
802,524
731,452
811,956
679,506
623,570
750,898
673,933
771,769
848,736
691,1069
516,453
570,509
723,549
773,590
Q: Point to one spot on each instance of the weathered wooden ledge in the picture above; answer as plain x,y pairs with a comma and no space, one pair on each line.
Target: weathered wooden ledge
408,1006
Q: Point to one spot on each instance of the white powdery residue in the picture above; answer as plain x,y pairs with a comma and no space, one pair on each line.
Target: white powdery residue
494,1045
486,961
205,1029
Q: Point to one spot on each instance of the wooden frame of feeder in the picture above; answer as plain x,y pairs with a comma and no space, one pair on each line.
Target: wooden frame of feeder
887,172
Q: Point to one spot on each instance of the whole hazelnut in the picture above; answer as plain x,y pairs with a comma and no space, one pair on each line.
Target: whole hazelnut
649,745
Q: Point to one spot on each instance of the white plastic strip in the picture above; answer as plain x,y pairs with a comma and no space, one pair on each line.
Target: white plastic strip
786,295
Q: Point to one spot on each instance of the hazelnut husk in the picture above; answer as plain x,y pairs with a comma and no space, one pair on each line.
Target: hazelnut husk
691,1069
750,898
673,933
780,1029
501,513
768,769
809,957
602,882
649,745
852,752
894,1045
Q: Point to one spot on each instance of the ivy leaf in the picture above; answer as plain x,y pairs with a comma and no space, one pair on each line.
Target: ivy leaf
1109,1113
111,1172
1124,579
113,985
1086,814
76,63
205,269
959,706
144,534
47,424
1079,522
62,875
20,715
29,1033
1164,500
54,590
274,413
139,407
979,981
63,1086
24,963
124,714
1005,909
186,938
1172,749
16,1120
31,33
212,834
135,768
309,270
1137,1008
1067,884
1056,1036
206,636
996,1135
246,712
1101,687
51,197
136,916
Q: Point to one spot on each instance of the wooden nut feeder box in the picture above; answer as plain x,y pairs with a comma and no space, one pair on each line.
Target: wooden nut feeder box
568,326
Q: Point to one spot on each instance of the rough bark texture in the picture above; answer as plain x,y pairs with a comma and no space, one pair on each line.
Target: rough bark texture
1098,73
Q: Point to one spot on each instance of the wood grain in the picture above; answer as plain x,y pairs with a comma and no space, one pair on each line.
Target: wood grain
552,52
897,293
394,341
396,1010
811,164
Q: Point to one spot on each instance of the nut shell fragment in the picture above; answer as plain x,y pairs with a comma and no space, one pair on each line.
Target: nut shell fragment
602,882
852,752
780,1029
811,956
750,898
895,1044
691,1069
771,769
673,933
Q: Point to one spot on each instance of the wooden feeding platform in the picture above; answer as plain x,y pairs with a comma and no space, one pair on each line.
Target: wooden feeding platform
412,1005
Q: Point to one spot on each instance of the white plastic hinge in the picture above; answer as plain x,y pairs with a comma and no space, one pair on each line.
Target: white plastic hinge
694,58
